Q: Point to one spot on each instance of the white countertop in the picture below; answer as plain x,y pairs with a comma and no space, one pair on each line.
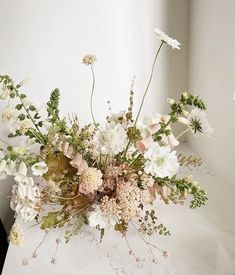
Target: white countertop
202,243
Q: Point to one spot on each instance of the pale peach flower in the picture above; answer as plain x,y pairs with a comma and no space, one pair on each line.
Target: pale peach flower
79,163
144,144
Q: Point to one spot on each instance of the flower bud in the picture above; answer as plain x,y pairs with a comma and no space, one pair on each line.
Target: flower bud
170,100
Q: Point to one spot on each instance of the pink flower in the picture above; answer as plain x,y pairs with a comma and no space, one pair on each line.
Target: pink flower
173,142
144,144
79,163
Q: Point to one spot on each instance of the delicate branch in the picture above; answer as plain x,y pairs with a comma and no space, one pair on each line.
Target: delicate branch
149,82
92,93
181,134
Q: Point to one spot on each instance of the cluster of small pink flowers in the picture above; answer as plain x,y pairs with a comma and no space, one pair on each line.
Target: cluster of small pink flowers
110,206
128,196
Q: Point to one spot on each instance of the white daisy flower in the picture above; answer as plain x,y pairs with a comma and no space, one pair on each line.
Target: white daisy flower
161,161
198,123
111,139
98,218
39,168
165,38
25,199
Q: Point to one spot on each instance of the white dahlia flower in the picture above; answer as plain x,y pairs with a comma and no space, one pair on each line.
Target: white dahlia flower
161,161
98,218
111,139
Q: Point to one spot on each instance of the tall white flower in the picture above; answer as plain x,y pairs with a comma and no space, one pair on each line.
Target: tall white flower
25,199
165,38
161,161
98,218
198,123
111,139
39,168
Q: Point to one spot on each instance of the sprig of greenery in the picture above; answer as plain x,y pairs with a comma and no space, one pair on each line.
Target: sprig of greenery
179,186
30,112
177,109
53,111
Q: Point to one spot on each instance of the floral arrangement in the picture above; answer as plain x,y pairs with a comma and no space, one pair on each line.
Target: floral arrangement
103,176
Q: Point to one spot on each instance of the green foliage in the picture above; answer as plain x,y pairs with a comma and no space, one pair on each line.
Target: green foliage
53,219
178,189
53,111
74,228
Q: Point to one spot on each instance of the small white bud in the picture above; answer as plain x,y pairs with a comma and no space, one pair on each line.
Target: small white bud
170,100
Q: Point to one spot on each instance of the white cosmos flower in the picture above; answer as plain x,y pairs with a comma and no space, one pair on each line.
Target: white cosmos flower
111,139
39,168
161,161
198,123
98,218
165,38
25,199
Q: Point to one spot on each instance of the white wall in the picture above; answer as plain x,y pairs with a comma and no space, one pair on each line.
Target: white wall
212,75
46,40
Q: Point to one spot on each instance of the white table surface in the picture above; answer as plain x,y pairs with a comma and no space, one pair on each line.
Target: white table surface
202,243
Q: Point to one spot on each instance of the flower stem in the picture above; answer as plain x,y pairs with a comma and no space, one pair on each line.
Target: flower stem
181,134
92,93
149,82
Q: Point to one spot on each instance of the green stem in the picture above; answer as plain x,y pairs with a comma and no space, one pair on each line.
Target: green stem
92,93
149,82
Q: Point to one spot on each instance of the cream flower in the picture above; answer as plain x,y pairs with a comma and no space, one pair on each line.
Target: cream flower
39,168
198,123
22,126
89,59
98,218
8,114
90,180
5,92
165,38
19,150
111,139
16,235
161,161
25,199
